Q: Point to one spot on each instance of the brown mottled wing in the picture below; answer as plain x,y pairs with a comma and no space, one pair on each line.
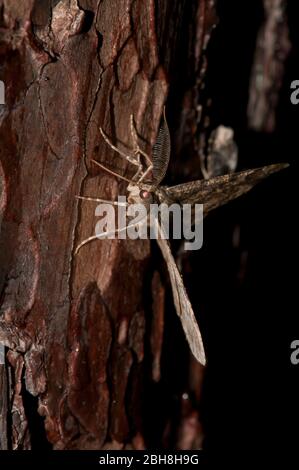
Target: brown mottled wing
181,300
217,191
161,153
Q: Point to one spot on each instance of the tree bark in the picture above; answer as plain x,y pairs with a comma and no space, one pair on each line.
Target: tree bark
82,336
272,49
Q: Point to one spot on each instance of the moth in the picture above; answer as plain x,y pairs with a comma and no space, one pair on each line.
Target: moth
145,188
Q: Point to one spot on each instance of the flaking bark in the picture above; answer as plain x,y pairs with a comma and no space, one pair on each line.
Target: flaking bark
76,327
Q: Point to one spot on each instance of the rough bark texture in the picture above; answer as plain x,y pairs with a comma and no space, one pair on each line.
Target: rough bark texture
78,328
3,408
272,49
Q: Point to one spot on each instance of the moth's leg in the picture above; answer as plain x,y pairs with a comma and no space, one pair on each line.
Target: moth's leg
94,199
97,237
140,170
133,160
87,240
106,234
149,168
133,180
129,158
112,172
137,149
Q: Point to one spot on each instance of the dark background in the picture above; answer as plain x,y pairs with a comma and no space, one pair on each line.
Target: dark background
251,388
246,295
251,393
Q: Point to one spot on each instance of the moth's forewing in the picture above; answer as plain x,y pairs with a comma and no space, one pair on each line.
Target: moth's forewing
215,192
181,300
161,153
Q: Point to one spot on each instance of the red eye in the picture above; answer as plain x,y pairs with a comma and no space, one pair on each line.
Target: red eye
145,194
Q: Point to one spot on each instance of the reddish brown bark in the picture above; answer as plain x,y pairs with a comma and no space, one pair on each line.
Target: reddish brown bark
75,326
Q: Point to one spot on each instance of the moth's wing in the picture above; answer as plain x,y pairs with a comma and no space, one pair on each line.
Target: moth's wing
181,301
217,191
161,153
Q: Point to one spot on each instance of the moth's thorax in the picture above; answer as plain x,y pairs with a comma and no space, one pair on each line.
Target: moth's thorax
163,195
140,194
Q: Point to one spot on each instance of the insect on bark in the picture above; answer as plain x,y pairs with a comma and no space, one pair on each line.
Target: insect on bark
145,188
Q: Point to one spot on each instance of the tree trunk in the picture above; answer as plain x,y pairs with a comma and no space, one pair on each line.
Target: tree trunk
84,333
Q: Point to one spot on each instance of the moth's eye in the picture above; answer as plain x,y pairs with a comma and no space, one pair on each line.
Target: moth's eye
145,194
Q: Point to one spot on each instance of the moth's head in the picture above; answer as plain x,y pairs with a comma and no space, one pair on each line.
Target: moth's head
140,194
